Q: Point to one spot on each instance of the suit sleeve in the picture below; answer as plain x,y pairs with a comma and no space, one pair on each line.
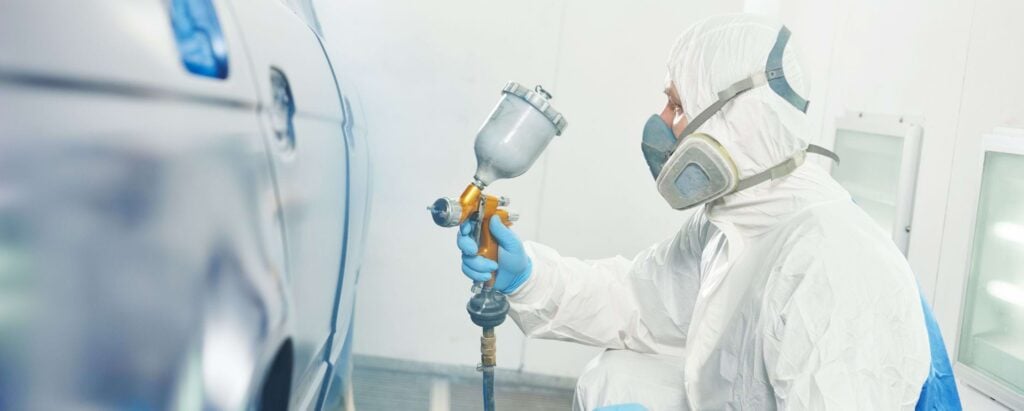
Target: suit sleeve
643,304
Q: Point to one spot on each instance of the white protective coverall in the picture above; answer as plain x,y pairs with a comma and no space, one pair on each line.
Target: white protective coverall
782,296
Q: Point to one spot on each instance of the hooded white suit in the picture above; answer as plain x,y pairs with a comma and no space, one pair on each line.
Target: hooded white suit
785,295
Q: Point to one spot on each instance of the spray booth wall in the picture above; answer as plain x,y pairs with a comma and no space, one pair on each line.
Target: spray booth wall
428,74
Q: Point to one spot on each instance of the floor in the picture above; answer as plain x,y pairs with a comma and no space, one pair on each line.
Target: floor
390,384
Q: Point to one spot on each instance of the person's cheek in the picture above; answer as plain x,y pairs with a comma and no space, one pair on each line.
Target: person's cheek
679,124
668,116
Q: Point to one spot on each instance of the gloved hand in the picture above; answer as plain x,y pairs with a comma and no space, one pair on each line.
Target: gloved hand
622,407
513,266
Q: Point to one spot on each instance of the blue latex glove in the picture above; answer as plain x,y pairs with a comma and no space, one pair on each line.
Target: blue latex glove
513,265
622,407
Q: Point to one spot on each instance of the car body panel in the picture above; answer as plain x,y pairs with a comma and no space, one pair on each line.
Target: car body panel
148,241
158,245
311,171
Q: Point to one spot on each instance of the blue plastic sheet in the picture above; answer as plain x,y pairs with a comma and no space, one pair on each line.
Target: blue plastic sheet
939,392
623,407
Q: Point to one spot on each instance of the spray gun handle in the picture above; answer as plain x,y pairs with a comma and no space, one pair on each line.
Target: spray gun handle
489,207
474,205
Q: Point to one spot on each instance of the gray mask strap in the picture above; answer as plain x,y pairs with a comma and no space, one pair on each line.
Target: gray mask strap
724,97
773,75
822,151
777,78
783,169
777,171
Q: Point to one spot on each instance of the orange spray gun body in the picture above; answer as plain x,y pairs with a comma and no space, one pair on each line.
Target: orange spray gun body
474,204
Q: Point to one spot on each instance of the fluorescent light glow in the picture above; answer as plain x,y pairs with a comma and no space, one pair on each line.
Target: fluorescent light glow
1009,231
1007,292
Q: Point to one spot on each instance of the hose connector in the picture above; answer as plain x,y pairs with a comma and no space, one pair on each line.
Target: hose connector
488,308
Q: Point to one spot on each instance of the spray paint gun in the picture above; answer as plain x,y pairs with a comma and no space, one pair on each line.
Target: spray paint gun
508,143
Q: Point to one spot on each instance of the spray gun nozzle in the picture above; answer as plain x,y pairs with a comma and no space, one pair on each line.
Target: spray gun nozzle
446,212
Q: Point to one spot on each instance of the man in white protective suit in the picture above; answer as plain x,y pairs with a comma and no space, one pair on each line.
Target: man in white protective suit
778,293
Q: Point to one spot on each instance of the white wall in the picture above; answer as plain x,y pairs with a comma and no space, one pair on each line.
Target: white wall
954,63
428,73
992,96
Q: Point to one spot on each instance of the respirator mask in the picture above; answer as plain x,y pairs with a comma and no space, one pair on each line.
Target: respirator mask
694,168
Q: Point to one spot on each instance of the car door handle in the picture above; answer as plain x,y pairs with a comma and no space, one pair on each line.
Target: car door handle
282,109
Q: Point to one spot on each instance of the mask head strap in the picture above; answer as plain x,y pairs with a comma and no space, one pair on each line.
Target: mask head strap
773,75
784,168
777,77
724,97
